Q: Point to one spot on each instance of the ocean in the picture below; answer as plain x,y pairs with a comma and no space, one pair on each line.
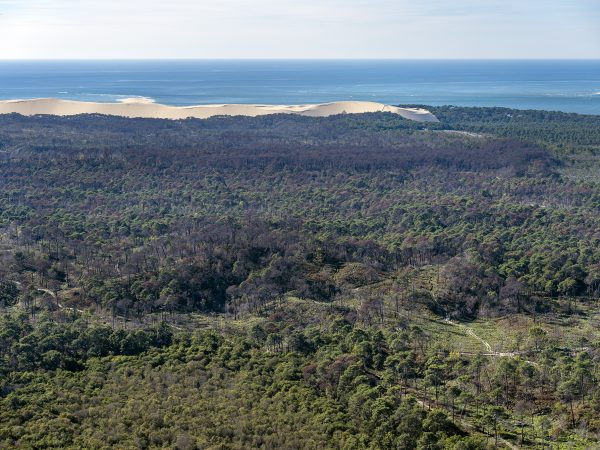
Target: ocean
564,85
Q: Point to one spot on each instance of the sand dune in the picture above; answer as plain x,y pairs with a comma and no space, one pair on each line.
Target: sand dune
142,107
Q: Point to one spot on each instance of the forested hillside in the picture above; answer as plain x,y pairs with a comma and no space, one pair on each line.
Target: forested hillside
357,281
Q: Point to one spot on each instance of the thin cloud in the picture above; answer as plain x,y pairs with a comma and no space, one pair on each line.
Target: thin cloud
309,28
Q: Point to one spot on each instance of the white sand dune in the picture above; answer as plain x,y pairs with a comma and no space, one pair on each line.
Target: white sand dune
142,107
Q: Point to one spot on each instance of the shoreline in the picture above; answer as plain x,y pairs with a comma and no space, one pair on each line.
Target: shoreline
140,107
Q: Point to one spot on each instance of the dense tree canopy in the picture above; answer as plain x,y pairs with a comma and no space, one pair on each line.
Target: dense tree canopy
268,282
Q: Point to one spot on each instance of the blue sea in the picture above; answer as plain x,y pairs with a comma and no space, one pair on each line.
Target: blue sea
566,85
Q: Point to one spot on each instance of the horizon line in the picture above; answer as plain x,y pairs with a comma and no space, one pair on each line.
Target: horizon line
295,59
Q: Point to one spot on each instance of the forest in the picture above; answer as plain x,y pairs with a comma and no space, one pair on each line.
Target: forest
354,281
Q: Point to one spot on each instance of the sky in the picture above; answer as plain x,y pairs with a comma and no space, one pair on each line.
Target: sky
462,29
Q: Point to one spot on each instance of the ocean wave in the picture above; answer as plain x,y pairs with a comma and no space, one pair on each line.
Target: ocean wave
571,94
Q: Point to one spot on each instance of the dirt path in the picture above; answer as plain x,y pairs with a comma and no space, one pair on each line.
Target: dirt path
489,351
105,320
463,133
468,426
47,291
470,332
60,306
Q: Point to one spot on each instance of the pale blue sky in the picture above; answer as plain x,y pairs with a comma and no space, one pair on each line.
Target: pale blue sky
299,29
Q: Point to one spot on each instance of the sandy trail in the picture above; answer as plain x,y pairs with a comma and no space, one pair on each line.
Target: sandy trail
489,351
60,305
471,332
465,424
